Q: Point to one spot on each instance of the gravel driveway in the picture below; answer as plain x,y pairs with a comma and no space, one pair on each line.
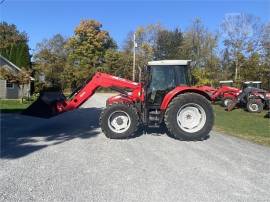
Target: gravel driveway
67,158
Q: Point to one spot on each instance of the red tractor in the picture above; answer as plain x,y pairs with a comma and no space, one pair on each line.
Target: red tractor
252,97
226,93
163,96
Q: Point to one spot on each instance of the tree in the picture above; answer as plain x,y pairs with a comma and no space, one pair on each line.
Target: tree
50,59
200,45
118,63
226,65
23,78
241,34
13,45
201,76
146,39
87,47
5,74
265,40
168,44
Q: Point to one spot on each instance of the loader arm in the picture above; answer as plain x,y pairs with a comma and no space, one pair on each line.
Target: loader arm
50,103
100,80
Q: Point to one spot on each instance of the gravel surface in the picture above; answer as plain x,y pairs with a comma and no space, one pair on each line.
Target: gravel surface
67,158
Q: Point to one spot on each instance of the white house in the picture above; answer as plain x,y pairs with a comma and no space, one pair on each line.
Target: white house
9,90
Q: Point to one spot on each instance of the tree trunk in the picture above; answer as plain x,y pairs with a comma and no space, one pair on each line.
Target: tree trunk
236,70
22,90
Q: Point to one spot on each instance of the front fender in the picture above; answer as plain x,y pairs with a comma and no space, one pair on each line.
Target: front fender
181,90
118,99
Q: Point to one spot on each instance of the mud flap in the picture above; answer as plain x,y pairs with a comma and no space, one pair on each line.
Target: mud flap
46,105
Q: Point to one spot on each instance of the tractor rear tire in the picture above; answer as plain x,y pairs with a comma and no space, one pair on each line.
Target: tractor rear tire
119,121
189,116
254,106
225,101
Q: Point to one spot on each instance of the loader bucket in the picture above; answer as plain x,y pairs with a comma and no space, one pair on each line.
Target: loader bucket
45,105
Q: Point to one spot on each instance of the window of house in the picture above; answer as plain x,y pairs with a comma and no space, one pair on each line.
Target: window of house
9,84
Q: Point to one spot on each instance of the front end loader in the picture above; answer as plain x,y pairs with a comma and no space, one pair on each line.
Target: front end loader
164,96
225,93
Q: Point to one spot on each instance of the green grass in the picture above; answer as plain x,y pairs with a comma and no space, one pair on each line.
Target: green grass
13,106
239,123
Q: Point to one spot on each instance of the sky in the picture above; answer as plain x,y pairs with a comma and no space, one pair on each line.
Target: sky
42,19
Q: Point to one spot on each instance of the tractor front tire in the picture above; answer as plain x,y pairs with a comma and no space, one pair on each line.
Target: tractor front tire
254,106
189,117
119,121
226,101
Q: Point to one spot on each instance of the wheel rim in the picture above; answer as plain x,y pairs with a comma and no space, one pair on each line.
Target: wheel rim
119,121
191,118
226,102
254,107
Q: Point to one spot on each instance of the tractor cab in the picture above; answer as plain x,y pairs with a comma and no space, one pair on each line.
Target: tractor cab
163,76
226,83
254,84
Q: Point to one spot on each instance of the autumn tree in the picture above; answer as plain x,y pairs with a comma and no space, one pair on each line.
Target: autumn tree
50,60
87,47
118,63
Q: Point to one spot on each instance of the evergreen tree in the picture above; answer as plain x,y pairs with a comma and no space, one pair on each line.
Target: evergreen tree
13,45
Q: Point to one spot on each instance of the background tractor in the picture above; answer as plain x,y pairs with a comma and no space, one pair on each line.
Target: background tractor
164,96
251,97
224,93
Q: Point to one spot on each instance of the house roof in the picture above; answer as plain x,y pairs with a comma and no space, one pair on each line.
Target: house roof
13,65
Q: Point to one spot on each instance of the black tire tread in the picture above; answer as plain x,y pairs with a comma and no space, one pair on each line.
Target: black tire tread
223,101
260,105
119,136
182,136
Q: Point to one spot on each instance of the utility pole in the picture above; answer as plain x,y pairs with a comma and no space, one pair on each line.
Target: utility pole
134,56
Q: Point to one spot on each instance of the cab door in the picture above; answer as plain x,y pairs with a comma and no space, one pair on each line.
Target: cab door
162,80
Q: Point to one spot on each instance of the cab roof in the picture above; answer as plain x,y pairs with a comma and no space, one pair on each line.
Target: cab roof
228,81
169,62
247,82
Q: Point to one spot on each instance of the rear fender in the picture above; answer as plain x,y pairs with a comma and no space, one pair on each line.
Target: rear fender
181,90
